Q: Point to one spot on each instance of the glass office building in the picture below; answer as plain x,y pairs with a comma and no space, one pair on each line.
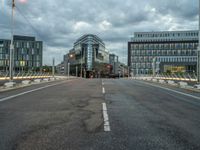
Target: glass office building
173,51
27,53
87,54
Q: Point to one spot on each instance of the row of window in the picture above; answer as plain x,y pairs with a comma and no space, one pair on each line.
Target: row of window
177,59
21,57
5,63
27,45
172,46
141,65
164,40
141,59
166,34
163,59
22,51
20,44
164,52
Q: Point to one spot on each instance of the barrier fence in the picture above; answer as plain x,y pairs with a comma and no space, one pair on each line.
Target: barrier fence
24,75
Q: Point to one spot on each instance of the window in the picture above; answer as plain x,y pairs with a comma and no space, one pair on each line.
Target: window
33,52
38,45
141,46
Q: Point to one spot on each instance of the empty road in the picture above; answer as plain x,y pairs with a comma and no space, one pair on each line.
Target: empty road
99,114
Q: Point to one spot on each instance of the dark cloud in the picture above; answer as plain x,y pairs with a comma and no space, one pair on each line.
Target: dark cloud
60,22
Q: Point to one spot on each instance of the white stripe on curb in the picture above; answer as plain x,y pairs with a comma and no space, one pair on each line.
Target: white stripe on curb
106,119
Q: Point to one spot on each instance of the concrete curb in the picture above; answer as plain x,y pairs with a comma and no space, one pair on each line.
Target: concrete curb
21,85
26,82
183,85
9,84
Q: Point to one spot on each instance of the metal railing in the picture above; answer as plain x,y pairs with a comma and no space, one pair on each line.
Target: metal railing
24,75
177,77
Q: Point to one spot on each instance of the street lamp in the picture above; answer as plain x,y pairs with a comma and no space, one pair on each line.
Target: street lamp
198,52
12,44
81,64
76,71
53,68
68,69
154,66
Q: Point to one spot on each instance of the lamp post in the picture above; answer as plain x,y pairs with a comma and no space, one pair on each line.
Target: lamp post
198,52
128,71
68,69
53,68
12,44
81,64
154,66
76,71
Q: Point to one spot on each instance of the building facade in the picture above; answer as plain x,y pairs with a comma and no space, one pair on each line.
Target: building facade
170,51
27,53
87,56
114,62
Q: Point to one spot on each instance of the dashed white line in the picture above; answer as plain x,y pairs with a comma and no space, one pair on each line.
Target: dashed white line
102,82
23,93
106,119
103,90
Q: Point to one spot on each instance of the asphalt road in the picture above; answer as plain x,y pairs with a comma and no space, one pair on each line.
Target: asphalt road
67,115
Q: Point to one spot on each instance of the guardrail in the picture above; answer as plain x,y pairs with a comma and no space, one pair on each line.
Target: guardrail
23,75
176,77
182,81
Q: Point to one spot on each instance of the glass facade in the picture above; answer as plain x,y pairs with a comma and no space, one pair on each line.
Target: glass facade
27,53
141,53
88,50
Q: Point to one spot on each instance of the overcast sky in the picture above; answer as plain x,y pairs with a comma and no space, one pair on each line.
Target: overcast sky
60,22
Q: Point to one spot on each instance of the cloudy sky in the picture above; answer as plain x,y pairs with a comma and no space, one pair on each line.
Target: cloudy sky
60,22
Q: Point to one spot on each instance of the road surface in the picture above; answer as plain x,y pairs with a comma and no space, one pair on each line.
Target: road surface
68,115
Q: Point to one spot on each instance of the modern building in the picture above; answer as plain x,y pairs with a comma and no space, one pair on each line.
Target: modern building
114,62
27,53
60,68
87,56
169,51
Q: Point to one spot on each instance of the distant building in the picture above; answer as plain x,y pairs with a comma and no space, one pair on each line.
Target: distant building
114,61
87,55
60,68
27,53
173,51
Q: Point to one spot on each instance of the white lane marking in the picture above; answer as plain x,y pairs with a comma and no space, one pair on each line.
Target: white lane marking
106,119
23,93
189,95
102,82
103,90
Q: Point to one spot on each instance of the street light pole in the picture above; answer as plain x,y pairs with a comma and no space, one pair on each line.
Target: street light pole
128,72
12,44
68,69
154,66
76,71
53,68
198,52
81,64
